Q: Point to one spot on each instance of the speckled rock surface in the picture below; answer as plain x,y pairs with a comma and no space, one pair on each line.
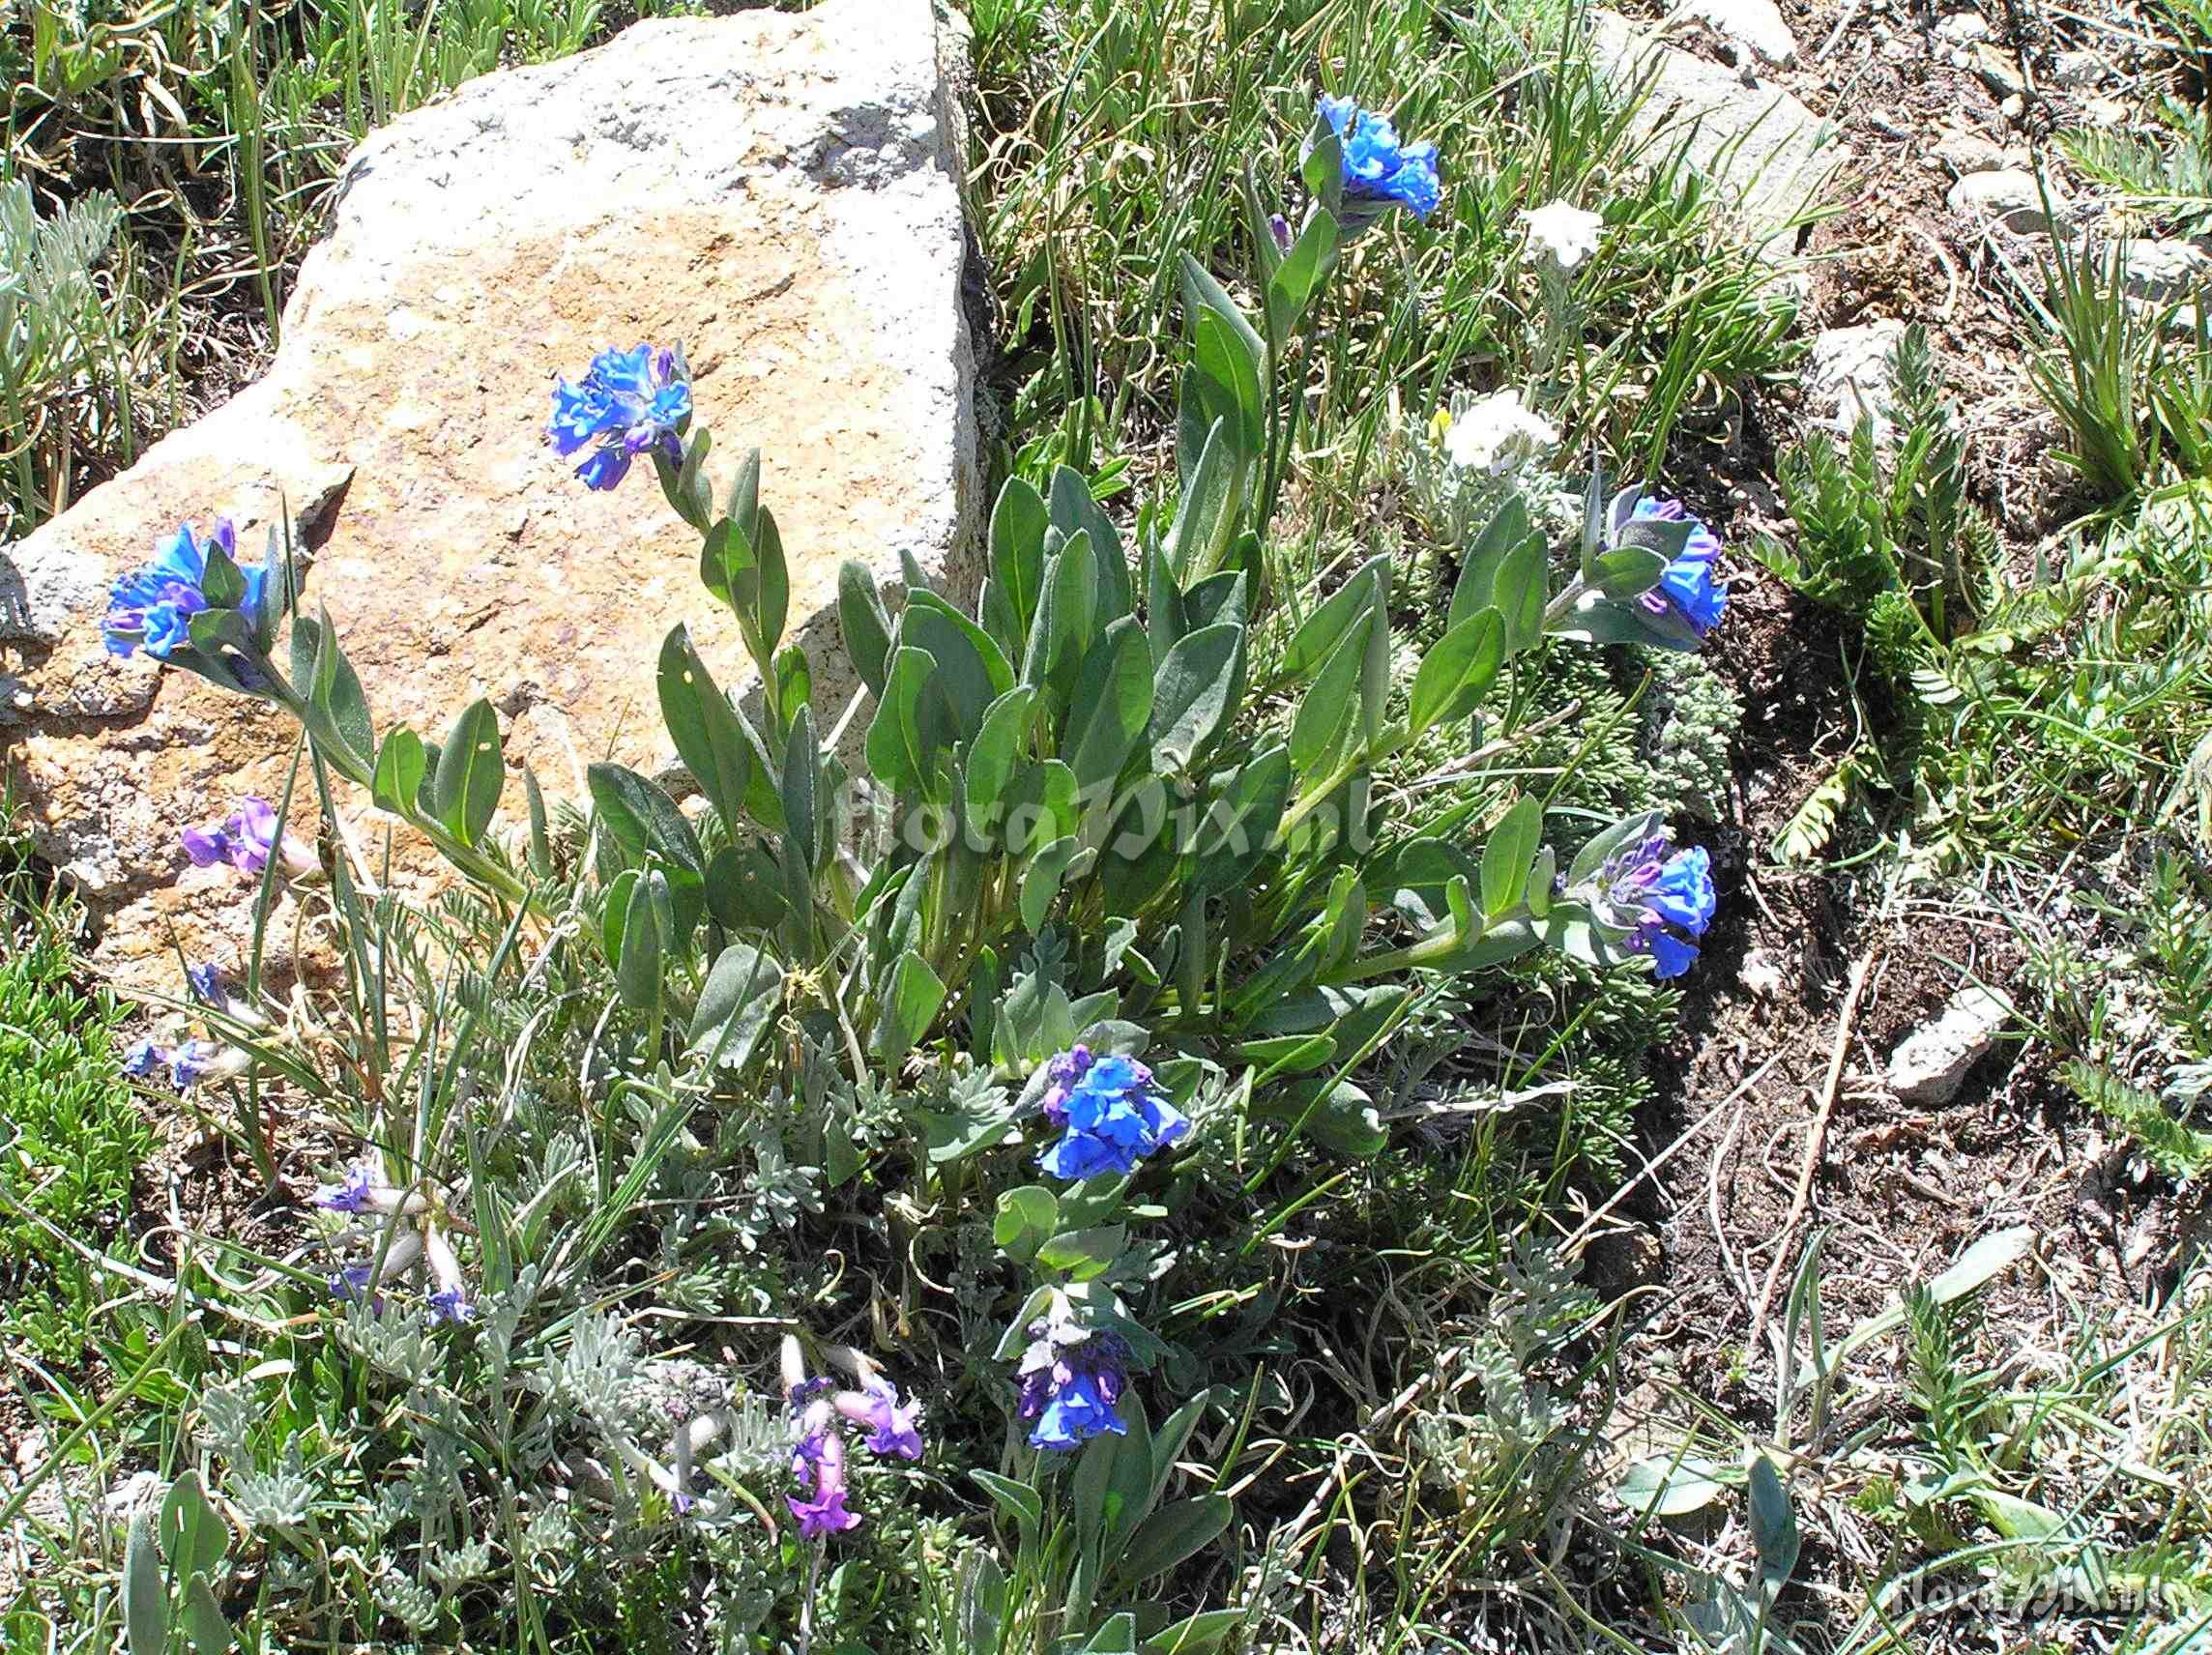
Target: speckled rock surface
775,191
1770,155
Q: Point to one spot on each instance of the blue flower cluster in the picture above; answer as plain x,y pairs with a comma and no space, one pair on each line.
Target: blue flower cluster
1687,586
631,403
1658,894
1071,1378
1110,1115
152,608
187,1062
1380,173
419,1243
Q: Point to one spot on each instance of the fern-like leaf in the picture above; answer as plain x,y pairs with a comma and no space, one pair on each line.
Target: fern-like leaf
2171,1145
1812,826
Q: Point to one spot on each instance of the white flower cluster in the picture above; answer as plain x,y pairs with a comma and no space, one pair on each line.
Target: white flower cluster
1562,233
1465,459
1496,435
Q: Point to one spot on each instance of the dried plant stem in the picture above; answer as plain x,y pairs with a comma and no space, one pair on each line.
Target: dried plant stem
1814,1143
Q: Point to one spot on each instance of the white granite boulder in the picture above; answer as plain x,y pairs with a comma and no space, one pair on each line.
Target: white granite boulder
778,192
1769,154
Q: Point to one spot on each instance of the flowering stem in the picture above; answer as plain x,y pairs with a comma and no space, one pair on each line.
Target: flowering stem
1363,756
806,1604
1563,603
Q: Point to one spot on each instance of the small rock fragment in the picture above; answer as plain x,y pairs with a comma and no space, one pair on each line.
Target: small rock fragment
1749,25
1961,28
2161,271
1931,1064
1766,149
1998,69
2012,197
1850,376
1967,152
2078,70
1760,973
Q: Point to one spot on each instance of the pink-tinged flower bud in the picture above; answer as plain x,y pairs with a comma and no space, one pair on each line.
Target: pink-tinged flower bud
404,1253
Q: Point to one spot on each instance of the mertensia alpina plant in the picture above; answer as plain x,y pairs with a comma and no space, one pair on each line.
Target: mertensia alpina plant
1099,878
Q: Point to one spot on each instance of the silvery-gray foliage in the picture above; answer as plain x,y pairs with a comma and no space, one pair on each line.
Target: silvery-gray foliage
280,1499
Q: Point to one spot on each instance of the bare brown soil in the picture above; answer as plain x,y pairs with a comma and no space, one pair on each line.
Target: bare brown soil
1899,1190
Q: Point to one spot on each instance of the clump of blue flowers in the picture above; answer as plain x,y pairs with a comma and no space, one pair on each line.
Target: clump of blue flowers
629,403
1110,1111
1380,173
419,1241
1687,587
1071,1380
1665,901
152,608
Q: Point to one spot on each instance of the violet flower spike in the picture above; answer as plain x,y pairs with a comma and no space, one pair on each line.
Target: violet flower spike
891,1426
825,1514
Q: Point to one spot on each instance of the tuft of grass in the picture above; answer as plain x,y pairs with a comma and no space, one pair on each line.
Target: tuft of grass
1118,136
2097,357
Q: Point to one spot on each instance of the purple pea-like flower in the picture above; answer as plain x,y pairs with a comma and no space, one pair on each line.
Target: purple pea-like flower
892,1424
247,839
449,1302
356,1193
191,1062
206,983
821,1452
352,1283
824,1515
629,403
143,1058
